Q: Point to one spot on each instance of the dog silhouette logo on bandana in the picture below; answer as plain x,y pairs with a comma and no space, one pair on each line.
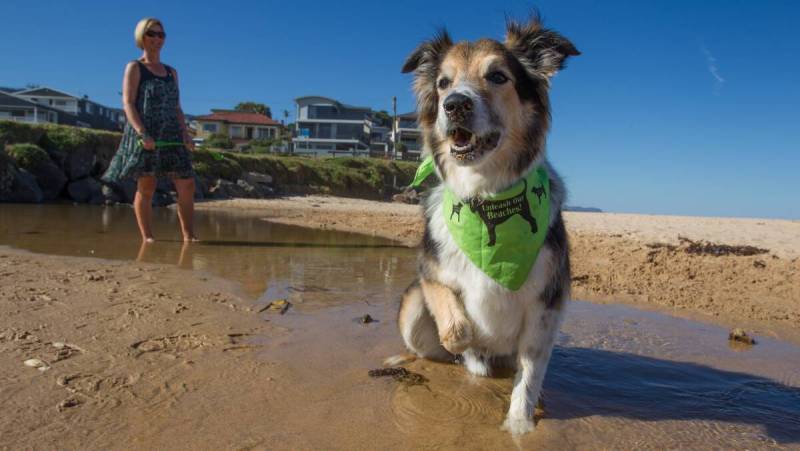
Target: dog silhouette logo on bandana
502,234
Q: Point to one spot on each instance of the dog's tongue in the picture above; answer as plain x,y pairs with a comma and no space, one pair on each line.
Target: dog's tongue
461,137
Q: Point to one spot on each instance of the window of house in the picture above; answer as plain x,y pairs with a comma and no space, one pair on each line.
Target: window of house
210,128
61,103
18,114
236,130
324,131
265,133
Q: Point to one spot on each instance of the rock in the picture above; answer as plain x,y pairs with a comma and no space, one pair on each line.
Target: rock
255,178
86,190
38,364
366,319
68,403
50,178
79,164
124,190
740,336
408,196
399,374
246,187
162,199
59,157
224,189
278,305
17,184
165,185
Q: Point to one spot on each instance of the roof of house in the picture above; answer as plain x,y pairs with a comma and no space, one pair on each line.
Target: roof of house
237,117
7,100
45,92
411,115
329,100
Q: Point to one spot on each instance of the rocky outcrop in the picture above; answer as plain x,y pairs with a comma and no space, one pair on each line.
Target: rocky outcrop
86,190
51,179
19,185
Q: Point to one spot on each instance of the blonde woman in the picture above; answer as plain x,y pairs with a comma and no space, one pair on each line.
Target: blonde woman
155,142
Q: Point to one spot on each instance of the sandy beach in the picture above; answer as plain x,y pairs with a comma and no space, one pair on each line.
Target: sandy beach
100,354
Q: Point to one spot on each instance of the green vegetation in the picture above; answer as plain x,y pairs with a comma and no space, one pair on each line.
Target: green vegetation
254,107
383,118
355,177
218,141
61,138
28,156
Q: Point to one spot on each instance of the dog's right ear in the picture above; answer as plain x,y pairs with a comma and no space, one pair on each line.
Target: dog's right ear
429,53
424,62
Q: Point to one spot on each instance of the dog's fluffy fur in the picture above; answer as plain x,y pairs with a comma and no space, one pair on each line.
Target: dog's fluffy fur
484,110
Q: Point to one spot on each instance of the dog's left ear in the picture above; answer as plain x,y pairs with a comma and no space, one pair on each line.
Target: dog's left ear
541,51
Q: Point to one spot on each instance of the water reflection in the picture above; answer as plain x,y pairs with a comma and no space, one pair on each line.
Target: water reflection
236,246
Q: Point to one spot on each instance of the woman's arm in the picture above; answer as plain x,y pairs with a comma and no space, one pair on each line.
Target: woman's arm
187,138
130,85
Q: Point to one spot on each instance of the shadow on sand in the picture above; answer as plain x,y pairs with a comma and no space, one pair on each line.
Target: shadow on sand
584,381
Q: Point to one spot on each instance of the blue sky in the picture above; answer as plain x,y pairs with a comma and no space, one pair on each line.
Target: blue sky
675,107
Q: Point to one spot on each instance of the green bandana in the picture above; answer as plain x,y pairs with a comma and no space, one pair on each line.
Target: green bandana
502,234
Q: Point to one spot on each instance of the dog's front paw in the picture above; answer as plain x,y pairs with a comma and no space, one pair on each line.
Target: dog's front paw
518,426
458,337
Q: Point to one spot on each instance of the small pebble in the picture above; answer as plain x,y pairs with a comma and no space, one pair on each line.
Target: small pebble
36,363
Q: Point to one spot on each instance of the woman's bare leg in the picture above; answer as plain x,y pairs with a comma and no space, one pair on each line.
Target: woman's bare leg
185,188
143,206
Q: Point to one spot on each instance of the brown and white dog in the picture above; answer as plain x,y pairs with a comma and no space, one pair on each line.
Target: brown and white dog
485,111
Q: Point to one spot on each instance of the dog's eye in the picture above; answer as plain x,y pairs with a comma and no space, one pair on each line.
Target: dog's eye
497,78
443,83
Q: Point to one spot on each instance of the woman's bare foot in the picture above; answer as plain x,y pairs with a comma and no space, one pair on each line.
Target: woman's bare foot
191,239
148,240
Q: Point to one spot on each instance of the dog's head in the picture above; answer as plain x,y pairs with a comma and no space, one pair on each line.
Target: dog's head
483,105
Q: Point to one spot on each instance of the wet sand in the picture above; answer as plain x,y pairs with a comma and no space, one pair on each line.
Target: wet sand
635,259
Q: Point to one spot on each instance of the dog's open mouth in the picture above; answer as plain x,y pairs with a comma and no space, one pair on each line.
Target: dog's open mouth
467,146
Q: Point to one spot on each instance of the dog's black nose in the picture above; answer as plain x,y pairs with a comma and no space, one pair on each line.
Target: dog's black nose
457,105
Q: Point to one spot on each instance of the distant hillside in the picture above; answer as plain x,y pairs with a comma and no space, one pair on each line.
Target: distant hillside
584,209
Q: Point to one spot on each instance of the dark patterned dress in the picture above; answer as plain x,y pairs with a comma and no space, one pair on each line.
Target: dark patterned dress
157,105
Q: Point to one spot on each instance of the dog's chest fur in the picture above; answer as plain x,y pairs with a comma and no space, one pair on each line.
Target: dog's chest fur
496,312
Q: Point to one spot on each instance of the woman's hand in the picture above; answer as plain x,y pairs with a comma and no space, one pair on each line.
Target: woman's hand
148,142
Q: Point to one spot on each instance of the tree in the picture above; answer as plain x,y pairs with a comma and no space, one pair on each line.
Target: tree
383,118
253,107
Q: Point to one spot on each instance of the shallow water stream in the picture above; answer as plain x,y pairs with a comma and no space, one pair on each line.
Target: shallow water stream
620,378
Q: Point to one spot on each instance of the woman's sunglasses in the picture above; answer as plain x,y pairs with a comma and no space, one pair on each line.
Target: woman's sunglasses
154,34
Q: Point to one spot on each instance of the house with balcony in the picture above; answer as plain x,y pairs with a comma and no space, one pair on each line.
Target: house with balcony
409,137
17,109
87,113
240,126
327,127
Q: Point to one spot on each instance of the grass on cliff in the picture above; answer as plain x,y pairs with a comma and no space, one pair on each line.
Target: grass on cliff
349,176
28,156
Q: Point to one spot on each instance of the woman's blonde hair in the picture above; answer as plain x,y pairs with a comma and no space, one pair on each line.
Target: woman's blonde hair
142,27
